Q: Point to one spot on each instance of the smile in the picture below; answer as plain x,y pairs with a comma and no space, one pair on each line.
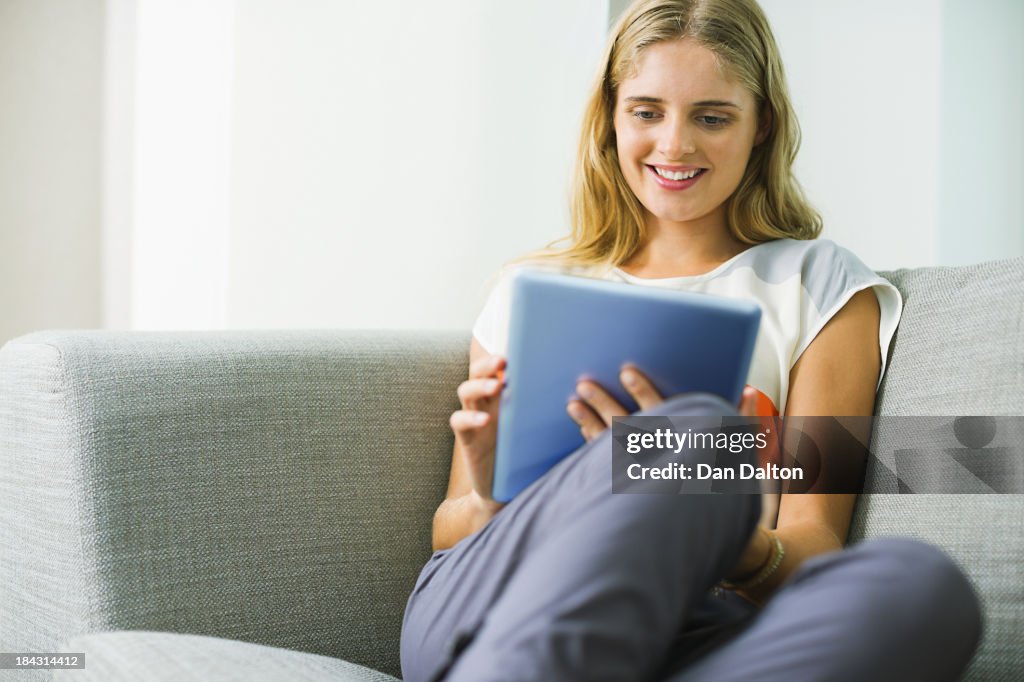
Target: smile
679,175
678,179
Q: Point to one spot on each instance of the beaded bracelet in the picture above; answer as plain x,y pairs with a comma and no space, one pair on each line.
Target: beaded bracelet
770,566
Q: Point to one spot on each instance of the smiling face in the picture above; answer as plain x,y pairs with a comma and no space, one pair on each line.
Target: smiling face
678,115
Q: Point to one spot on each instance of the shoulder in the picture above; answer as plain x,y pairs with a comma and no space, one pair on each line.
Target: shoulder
846,299
840,358
823,257
811,258
829,274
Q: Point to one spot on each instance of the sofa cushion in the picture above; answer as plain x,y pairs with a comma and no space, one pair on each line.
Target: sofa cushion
140,656
959,350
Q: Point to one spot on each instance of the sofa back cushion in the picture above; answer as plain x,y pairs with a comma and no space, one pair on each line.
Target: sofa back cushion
959,351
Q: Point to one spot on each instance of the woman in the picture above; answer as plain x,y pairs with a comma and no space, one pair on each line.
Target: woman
684,181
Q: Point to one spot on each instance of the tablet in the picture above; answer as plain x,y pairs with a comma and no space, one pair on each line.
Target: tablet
563,329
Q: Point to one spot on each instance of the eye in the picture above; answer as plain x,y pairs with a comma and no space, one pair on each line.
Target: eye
644,114
714,121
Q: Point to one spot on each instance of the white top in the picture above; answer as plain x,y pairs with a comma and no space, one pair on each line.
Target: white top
800,285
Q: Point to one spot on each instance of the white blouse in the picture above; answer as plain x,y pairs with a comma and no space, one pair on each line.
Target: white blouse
800,285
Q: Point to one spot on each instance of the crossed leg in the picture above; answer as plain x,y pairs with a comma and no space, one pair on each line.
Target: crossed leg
572,582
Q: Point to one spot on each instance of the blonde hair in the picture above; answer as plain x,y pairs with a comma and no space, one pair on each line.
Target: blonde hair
607,223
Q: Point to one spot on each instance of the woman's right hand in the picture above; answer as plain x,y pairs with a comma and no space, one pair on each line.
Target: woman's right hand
476,424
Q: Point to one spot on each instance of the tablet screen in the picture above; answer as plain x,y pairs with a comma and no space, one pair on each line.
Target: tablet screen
564,329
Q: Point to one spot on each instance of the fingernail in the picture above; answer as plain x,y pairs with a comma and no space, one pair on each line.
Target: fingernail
491,385
478,418
585,390
629,378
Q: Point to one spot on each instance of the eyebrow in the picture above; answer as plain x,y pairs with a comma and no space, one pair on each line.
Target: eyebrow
702,103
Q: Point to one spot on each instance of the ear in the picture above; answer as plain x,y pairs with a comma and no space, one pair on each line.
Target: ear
765,126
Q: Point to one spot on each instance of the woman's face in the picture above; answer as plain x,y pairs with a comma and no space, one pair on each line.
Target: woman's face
680,113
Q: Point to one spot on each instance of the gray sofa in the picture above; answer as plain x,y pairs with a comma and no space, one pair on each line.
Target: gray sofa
267,496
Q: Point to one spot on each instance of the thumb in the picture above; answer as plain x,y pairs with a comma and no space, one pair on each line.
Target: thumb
748,403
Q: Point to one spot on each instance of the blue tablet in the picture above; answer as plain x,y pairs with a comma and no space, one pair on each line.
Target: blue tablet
563,329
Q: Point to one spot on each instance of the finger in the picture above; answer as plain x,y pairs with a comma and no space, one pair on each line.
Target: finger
486,366
600,401
748,403
640,387
582,415
467,424
590,422
476,394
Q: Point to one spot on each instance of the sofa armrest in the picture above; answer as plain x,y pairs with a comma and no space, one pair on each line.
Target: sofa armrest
274,487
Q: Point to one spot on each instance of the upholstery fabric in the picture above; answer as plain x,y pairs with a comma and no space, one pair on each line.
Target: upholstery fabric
163,657
959,351
274,487
41,548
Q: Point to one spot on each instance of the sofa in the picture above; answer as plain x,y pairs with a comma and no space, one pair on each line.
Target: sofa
256,505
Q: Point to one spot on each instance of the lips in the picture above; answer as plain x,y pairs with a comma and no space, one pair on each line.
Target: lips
666,183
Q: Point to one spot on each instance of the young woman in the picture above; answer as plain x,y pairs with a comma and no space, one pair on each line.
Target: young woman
684,181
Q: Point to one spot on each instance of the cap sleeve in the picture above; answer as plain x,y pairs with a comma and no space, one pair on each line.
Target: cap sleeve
831,276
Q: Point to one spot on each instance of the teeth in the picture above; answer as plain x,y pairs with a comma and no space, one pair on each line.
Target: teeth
676,176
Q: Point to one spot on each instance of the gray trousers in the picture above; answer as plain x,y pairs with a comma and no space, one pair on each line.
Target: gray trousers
570,582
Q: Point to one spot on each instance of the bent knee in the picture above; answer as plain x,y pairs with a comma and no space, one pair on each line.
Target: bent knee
922,562
930,583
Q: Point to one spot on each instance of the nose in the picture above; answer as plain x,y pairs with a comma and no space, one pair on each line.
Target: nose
676,141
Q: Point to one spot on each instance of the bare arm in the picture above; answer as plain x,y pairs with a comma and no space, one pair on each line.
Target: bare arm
468,505
836,376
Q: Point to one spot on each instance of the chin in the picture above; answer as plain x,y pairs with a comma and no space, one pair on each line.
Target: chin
675,216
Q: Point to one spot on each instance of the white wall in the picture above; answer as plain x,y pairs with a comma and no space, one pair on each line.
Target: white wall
180,185
982,131
386,157
911,113
248,149
50,76
866,82
118,162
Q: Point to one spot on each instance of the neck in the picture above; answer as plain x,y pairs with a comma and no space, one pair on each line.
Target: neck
680,249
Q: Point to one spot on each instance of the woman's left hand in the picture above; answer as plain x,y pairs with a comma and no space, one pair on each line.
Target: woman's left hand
595,408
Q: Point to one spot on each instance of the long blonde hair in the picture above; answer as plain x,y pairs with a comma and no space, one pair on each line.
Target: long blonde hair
607,223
